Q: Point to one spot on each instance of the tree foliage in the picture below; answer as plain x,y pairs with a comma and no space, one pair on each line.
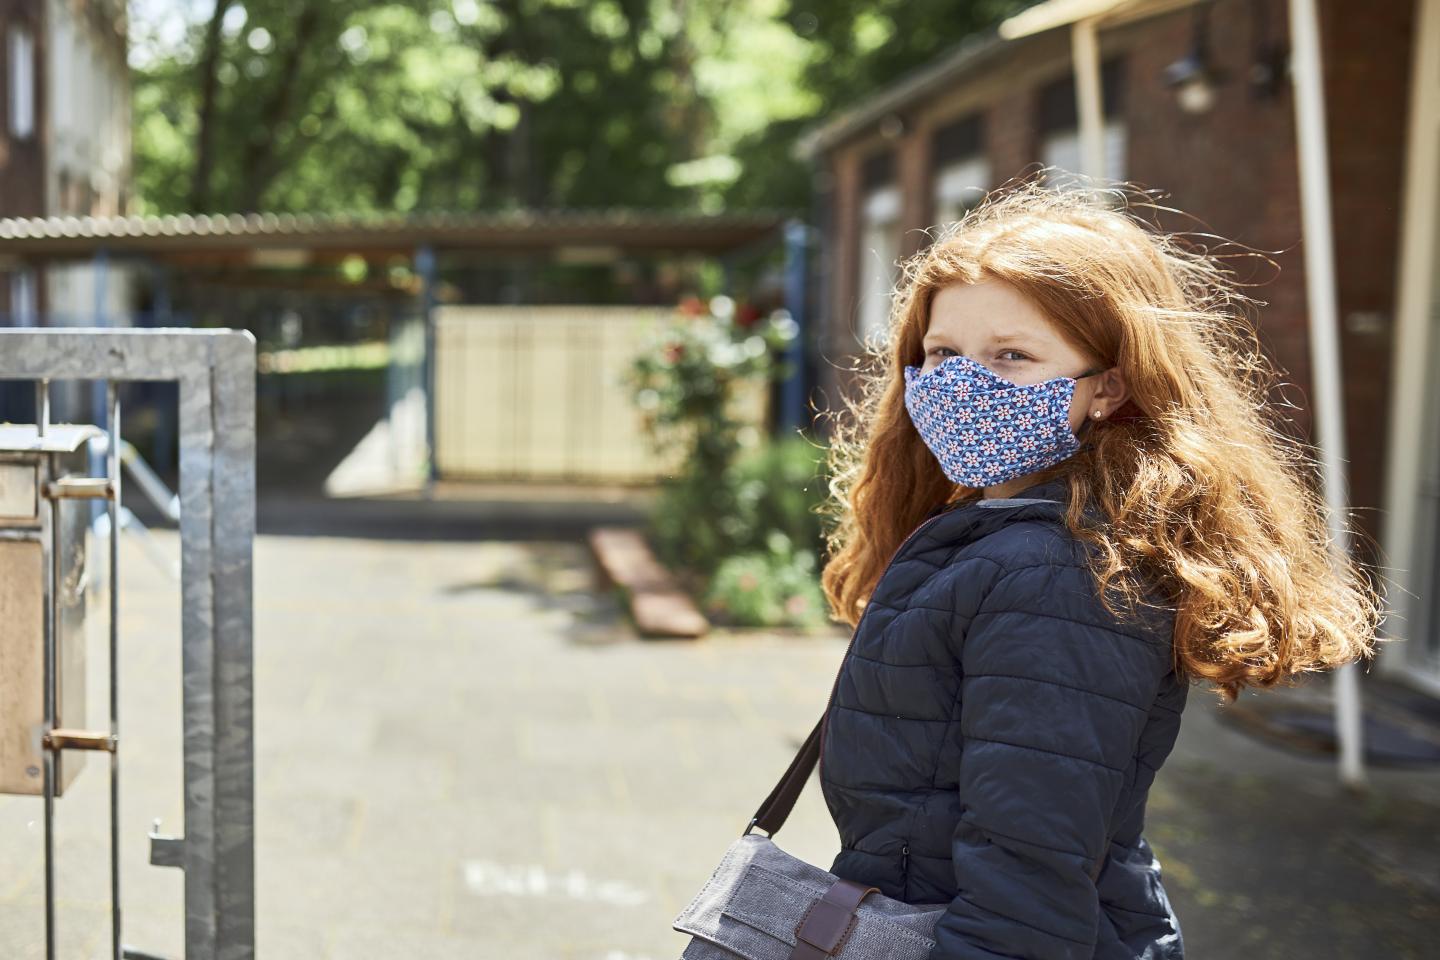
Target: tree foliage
321,105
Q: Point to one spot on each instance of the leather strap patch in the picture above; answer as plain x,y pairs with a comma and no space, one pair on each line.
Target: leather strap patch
822,931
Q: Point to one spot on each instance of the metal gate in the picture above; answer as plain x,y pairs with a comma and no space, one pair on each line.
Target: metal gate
215,370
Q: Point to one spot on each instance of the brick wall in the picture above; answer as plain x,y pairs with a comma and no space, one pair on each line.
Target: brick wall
1233,169
22,162
1367,50
22,170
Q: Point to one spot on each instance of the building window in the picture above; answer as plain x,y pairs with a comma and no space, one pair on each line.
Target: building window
21,56
1059,126
879,242
23,308
962,173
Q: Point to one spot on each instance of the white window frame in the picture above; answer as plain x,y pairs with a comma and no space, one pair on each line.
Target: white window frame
1061,149
1412,510
879,251
960,185
20,64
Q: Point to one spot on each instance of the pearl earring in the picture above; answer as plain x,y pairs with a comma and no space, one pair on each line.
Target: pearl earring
1098,414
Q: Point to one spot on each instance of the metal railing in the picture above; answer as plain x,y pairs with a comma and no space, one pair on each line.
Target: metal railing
215,370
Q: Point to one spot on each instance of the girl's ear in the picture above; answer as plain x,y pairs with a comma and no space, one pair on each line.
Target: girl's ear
1111,392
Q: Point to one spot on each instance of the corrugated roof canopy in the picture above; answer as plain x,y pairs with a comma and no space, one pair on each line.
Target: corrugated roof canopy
517,231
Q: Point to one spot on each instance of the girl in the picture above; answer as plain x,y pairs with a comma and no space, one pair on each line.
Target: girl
1062,500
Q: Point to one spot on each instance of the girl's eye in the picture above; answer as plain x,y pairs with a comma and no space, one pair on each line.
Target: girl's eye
1007,355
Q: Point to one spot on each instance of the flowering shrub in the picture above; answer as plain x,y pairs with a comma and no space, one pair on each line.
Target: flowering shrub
685,381
740,527
685,386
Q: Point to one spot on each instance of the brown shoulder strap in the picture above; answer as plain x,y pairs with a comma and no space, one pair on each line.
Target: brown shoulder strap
772,813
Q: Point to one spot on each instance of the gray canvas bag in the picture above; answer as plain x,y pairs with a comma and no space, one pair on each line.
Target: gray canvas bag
763,904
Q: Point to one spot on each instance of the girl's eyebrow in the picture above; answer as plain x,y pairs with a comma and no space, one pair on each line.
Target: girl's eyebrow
1003,338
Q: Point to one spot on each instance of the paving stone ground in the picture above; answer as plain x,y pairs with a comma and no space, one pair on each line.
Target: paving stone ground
461,751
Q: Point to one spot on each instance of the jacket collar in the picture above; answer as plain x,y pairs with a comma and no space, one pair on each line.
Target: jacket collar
1055,490
1049,499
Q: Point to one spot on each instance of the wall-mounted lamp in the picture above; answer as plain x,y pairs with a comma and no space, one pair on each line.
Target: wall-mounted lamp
1193,77
1270,63
1269,71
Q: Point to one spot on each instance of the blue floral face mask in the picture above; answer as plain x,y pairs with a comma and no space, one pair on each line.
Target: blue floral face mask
984,429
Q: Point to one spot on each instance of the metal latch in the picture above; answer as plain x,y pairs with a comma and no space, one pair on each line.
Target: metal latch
166,851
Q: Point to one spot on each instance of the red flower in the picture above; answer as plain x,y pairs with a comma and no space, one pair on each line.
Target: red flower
746,315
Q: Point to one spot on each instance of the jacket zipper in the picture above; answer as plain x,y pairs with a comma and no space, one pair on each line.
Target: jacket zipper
825,716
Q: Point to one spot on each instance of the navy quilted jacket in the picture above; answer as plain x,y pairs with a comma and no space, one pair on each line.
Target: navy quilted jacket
994,731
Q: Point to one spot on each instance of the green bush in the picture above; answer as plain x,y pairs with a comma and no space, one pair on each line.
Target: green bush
774,587
780,487
687,524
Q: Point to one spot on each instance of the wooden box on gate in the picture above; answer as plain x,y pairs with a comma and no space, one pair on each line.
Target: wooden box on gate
39,535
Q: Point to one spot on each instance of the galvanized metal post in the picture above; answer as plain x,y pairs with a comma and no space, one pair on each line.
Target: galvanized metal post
1325,361
161,310
52,578
425,266
112,473
98,389
792,394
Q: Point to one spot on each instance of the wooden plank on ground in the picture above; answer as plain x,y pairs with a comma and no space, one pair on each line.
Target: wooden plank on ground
657,603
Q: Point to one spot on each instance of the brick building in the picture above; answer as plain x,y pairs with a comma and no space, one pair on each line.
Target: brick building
22,155
1224,150
64,145
64,151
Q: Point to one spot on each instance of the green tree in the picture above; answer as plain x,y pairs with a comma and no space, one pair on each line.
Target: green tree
325,105
354,105
853,48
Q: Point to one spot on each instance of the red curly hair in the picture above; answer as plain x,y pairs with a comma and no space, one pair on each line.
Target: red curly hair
1202,493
